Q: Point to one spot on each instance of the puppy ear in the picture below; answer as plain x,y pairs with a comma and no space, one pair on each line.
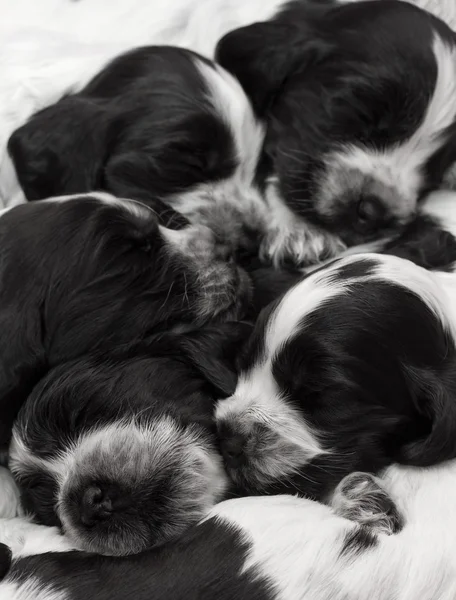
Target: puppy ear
263,55
60,150
436,395
214,350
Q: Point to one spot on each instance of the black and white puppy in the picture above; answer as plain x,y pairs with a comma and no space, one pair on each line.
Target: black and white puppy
158,124
120,449
359,101
353,369
91,273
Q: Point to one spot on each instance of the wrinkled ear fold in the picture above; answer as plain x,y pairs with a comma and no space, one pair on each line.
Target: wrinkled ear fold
263,55
213,351
436,401
60,150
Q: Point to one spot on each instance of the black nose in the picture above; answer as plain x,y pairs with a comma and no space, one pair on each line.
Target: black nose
370,210
233,449
96,505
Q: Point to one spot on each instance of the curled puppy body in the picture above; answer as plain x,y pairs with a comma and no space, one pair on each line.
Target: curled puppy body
358,98
97,273
120,450
266,548
351,370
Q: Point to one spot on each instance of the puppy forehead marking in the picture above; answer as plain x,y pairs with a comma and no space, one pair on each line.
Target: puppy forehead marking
233,107
304,298
312,292
397,169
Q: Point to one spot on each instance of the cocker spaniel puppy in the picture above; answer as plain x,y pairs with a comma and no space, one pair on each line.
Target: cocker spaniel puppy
359,102
351,370
119,449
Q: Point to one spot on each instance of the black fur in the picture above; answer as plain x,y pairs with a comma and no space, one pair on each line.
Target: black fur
427,243
83,275
146,129
358,541
5,560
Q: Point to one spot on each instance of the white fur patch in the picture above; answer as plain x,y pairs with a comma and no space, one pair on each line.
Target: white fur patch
234,109
28,539
228,205
32,589
441,205
10,504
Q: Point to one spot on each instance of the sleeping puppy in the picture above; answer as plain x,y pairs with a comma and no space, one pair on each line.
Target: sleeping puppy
353,369
96,273
359,101
161,125
119,450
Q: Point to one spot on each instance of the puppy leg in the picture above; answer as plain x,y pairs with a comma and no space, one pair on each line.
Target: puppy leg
10,505
360,497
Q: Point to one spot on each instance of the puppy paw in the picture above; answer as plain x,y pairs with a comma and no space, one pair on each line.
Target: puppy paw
360,497
10,505
298,245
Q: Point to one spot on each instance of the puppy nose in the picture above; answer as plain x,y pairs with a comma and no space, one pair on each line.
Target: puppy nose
96,505
370,210
233,449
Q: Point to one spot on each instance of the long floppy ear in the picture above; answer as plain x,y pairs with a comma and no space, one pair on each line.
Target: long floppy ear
214,350
436,399
61,149
263,55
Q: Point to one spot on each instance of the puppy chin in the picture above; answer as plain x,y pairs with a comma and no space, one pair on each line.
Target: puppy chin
126,487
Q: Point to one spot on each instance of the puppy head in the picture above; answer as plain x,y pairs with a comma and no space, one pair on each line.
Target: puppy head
352,369
359,101
94,256
122,453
